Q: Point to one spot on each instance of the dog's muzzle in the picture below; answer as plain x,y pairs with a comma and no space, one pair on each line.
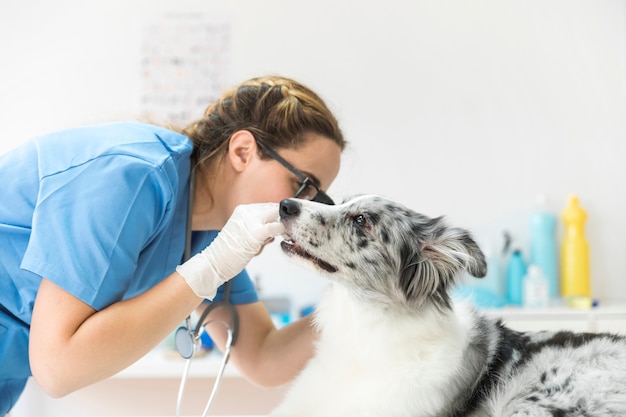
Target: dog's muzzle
290,209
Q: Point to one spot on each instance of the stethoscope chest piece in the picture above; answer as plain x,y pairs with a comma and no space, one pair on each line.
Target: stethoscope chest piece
186,343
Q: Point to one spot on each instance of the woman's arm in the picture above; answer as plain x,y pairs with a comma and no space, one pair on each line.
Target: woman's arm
72,345
265,355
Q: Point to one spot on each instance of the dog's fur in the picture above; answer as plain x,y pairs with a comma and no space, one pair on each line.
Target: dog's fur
393,343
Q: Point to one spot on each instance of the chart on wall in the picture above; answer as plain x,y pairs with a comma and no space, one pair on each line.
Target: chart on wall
184,66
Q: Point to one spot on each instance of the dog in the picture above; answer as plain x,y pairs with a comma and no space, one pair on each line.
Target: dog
393,343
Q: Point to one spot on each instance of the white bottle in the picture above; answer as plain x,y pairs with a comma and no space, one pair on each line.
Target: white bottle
536,292
543,245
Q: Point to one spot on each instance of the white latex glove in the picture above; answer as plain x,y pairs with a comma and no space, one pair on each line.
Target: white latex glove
243,236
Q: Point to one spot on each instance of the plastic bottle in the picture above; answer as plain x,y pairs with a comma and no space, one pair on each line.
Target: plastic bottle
543,246
493,282
515,272
575,280
536,291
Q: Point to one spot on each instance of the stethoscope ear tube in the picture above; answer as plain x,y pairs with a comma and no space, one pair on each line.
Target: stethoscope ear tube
225,302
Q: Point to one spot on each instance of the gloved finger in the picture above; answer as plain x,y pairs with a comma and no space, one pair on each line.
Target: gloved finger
269,230
268,212
257,212
274,229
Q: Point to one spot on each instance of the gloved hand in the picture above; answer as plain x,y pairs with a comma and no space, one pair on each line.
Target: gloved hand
243,236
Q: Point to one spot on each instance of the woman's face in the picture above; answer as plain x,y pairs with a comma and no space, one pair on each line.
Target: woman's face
268,180
246,178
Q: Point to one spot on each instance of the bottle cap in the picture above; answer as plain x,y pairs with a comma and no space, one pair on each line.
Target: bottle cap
573,212
534,271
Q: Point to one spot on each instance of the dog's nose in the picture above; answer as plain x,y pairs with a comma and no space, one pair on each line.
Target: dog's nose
289,208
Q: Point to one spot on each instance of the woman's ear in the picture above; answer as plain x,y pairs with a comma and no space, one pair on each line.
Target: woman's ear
242,149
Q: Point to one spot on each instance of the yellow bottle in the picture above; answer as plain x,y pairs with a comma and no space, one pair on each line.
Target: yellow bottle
575,281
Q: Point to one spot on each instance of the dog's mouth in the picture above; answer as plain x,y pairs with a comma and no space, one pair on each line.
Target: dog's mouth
292,248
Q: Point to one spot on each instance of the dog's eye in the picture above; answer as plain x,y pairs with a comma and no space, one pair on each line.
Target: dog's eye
361,220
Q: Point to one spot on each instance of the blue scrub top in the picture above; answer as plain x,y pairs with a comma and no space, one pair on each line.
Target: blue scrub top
101,212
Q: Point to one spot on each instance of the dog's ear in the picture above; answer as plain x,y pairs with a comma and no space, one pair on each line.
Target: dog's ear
430,266
454,249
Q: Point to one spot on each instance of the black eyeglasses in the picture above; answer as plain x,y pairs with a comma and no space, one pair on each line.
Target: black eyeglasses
308,189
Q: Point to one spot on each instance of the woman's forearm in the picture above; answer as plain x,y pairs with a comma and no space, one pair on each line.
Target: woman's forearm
264,355
72,346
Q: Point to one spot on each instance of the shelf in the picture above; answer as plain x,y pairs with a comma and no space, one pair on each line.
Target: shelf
606,318
615,311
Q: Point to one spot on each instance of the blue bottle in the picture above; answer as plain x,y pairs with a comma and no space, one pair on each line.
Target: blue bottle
493,282
543,247
515,273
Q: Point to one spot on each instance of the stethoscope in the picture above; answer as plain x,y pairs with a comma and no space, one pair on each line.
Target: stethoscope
188,340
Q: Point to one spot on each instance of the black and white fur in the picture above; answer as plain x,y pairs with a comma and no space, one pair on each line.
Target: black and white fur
393,343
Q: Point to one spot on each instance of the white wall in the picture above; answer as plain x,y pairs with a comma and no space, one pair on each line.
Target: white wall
464,108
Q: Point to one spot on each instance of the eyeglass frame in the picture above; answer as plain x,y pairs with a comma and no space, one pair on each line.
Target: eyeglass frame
305,181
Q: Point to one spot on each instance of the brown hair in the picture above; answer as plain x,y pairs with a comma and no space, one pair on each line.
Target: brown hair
276,110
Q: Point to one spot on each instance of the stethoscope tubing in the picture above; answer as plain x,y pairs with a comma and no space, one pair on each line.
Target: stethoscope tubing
232,330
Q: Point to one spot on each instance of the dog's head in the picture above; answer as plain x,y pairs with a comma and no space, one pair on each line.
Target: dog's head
382,250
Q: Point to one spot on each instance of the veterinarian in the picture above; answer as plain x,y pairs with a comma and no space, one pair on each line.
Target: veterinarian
92,235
